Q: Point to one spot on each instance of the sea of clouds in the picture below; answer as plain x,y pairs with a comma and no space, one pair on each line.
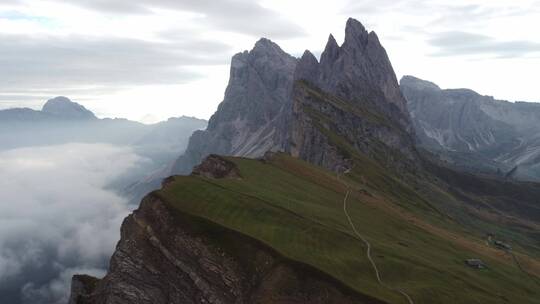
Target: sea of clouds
58,216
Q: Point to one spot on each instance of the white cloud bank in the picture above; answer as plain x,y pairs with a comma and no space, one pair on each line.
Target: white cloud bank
57,217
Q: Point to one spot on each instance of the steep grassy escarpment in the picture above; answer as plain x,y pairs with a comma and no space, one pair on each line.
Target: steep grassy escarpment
297,209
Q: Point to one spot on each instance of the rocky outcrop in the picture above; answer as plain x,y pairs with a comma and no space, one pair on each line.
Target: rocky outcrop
250,120
168,257
215,166
82,287
475,132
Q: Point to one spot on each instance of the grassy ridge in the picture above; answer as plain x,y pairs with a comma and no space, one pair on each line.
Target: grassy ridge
296,208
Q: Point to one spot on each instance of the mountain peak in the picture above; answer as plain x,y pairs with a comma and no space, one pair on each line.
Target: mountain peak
332,43
359,71
331,51
264,42
353,24
355,32
267,47
417,83
63,107
308,55
307,68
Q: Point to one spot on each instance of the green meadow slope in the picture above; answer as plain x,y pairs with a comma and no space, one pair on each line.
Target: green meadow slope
297,209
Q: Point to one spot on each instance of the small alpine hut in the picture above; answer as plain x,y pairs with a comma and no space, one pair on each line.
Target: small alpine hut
475,263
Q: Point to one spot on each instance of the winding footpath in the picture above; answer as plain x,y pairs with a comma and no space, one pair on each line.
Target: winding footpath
368,245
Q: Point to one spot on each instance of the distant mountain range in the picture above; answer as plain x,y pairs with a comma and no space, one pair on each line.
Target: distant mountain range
320,194
59,108
474,132
62,121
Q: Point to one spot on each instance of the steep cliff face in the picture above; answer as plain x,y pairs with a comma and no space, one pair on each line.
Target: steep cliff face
473,130
264,101
352,94
249,121
454,119
326,129
167,257
359,71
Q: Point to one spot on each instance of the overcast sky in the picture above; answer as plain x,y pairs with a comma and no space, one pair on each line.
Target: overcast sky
151,59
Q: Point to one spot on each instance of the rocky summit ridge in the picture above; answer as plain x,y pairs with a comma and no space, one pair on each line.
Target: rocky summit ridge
249,120
258,111
352,93
359,71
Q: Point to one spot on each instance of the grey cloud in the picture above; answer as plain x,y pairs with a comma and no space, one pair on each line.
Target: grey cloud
18,98
463,15
444,12
21,101
77,63
241,16
448,15
463,43
49,230
30,62
377,7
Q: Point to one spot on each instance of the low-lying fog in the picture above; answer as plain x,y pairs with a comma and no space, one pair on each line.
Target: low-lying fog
67,180
59,216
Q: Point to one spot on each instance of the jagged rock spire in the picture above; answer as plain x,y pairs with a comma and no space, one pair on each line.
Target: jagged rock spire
309,68
331,51
359,70
248,121
268,47
355,33
254,114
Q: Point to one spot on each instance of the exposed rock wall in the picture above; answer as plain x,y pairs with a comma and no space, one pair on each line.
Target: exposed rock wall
257,113
250,119
215,166
475,132
352,93
325,130
358,71
453,119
